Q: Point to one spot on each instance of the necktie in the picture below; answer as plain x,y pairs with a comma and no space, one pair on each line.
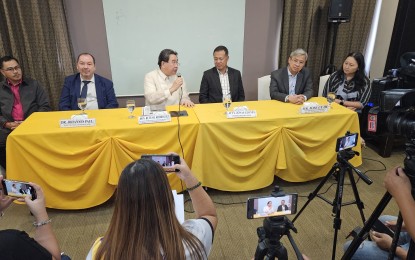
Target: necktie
84,88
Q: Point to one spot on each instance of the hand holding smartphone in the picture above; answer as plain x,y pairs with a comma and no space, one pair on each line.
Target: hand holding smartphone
380,227
18,189
166,161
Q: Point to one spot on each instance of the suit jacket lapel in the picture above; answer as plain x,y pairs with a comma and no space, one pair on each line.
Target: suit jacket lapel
299,82
217,81
231,77
77,87
98,91
285,80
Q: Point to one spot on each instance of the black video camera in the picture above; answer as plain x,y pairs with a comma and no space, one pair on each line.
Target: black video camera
395,114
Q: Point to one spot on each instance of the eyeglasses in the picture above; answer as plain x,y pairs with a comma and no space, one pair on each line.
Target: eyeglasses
174,62
17,68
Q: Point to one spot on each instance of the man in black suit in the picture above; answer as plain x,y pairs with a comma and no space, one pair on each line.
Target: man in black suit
221,80
282,207
292,83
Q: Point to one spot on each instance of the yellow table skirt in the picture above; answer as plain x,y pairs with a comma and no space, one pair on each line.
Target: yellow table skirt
80,167
245,153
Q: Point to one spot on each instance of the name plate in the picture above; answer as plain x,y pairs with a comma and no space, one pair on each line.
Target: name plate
65,123
151,119
314,109
241,114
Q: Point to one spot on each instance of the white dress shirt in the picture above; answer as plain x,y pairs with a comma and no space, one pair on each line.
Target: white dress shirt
157,89
91,95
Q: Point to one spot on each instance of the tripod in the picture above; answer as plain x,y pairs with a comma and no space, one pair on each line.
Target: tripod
409,164
269,245
340,168
365,230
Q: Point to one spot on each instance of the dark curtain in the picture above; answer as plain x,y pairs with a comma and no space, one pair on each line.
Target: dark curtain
305,25
35,32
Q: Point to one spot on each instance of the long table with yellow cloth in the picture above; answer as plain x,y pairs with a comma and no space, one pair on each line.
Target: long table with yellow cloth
245,153
79,167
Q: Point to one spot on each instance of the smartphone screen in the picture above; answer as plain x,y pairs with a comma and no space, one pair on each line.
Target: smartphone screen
166,161
346,142
18,189
263,207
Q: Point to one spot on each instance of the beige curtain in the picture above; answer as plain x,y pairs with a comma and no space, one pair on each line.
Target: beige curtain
35,32
305,26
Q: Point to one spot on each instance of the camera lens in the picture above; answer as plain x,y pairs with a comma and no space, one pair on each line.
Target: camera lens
402,123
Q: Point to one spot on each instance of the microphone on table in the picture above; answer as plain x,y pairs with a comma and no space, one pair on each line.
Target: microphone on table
178,74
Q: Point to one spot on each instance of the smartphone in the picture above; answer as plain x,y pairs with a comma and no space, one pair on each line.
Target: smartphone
346,142
18,189
177,114
263,207
378,226
166,161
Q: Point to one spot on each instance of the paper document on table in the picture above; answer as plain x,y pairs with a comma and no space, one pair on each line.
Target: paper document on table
179,206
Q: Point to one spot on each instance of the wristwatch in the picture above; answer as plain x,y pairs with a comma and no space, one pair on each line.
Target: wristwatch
342,102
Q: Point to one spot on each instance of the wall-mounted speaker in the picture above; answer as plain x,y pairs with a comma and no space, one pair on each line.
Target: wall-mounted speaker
340,11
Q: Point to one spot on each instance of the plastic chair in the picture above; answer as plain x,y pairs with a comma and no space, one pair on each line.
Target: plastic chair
323,80
263,87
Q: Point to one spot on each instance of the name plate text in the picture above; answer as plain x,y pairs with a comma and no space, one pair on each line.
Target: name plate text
241,114
314,109
151,119
66,123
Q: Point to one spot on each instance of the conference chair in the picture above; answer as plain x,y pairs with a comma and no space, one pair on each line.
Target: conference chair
323,80
263,87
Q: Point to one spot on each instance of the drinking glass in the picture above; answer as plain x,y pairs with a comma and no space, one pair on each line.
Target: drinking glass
331,96
82,105
130,106
227,101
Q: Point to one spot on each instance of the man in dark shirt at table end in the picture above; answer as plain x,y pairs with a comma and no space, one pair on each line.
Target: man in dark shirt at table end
19,98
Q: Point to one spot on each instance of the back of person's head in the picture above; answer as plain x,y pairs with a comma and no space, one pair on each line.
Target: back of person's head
144,224
165,56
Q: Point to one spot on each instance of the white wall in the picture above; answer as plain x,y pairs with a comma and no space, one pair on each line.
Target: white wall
383,37
138,30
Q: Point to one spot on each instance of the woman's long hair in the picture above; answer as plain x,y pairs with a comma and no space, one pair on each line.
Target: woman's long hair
359,76
144,224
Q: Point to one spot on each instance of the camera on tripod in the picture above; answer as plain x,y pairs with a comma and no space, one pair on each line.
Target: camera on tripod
274,209
400,120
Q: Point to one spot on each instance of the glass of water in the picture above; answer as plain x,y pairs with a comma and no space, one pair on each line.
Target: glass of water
331,96
227,101
82,105
130,106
